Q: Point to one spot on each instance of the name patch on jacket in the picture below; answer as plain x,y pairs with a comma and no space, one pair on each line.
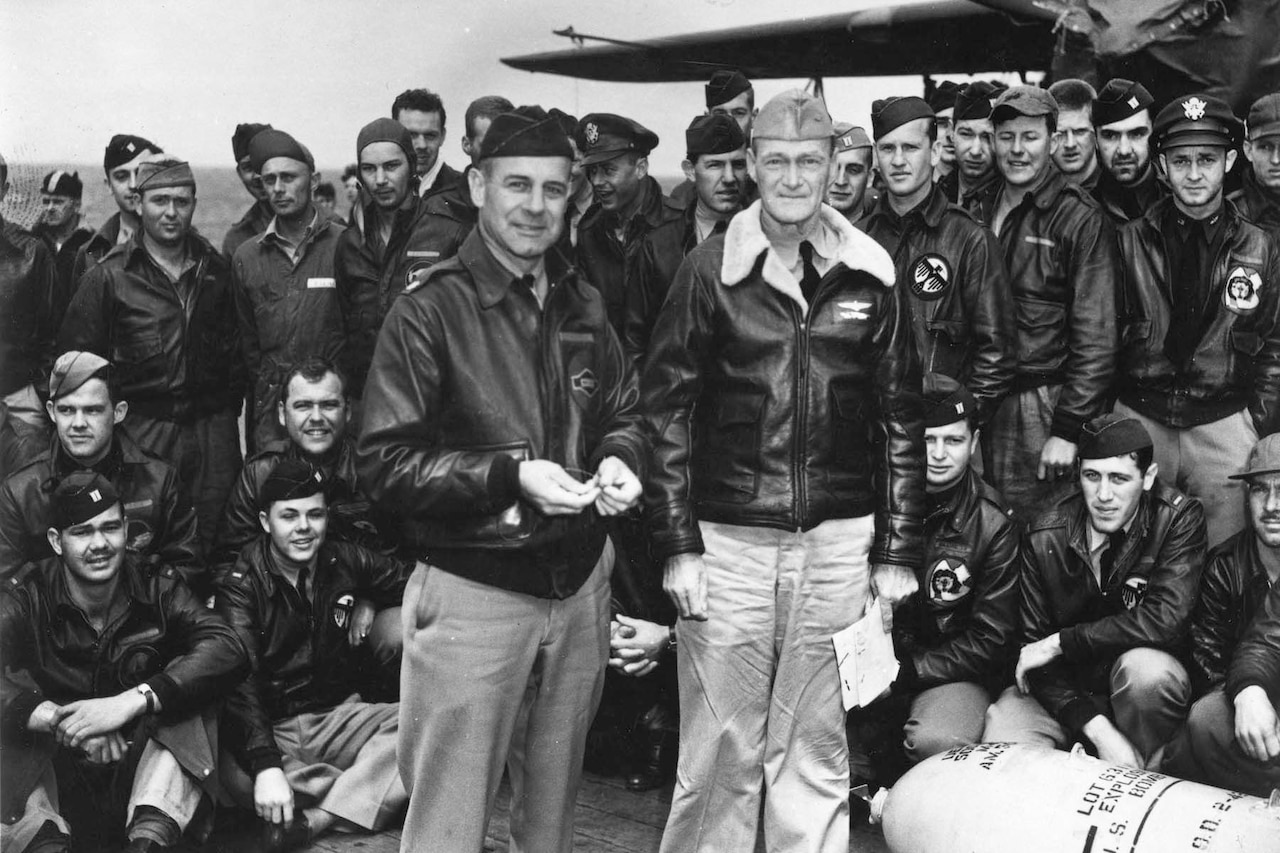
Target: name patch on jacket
930,276
1243,290
321,283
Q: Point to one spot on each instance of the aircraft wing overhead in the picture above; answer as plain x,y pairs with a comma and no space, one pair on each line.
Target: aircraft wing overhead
949,37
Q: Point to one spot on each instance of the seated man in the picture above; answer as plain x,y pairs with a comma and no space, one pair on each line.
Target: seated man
295,725
125,662
1232,738
85,406
1109,578
1239,572
954,635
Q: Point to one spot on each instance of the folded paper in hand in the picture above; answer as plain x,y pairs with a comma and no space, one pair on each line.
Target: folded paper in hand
864,653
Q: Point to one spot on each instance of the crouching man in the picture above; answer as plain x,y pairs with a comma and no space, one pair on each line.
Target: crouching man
125,662
953,637
296,725
1109,578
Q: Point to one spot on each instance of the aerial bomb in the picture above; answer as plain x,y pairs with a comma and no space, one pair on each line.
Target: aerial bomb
1014,798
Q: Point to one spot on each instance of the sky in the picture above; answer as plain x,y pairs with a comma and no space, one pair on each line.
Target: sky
183,73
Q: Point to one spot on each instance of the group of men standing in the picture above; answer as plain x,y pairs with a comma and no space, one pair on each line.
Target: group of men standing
1011,393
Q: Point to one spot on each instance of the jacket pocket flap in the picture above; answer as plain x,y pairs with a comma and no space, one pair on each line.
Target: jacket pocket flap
1246,342
848,403
139,348
741,408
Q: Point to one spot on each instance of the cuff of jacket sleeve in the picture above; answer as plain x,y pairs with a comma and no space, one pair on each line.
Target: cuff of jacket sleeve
908,675
1076,713
19,712
167,691
1073,649
503,483
262,758
1066,427
623,452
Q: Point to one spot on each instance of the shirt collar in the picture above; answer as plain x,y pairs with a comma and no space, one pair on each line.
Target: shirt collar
426,181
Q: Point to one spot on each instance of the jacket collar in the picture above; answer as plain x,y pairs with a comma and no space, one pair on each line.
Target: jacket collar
1260,199
492,280
648,210
197,248
1078,527
930,210
745,243
344,462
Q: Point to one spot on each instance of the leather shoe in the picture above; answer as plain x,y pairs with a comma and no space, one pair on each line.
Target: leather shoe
279,838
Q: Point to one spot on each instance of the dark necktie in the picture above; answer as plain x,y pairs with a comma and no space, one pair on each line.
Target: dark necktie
809,283
720,227
1107,560
1187,303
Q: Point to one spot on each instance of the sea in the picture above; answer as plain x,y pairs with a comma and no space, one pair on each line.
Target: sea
220,197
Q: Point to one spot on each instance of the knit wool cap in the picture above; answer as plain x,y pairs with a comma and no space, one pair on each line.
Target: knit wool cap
81,496
59,182
386,130
1264,117
276,143
944,96
243,136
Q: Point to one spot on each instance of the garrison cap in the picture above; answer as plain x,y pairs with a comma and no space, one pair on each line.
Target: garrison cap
889,114
59,182
386,130
850,137
80,496
794,114
122,148
243,136
290,480
608,136
1120,99
568,123
1029,101
713,134
974,100
74,368
726,85
271,143
527,131
1112,435
1197,120
1264,117
946,401
943,96
1264,458
161,174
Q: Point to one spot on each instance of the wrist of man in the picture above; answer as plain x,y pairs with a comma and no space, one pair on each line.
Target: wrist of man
41,719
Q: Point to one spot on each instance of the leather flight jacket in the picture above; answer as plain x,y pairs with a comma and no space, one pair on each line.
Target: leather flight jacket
177,357
1146,601
1258,204
1257,658
161,521
1236,364
1063,262
1231,591
302,657
769,412
957,291
1124,203
472,377
161,635
962,625
633,275
29,309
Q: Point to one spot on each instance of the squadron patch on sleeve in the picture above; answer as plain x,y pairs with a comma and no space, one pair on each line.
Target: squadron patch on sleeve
1243,290
930,276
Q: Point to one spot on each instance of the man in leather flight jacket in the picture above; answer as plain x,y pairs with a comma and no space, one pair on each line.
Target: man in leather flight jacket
950,266
292,726
783,387
1200,306
955,637
1062,260
1258,198
161,526
1241,573
1128,186
500,410
161,310
1110,575
126,662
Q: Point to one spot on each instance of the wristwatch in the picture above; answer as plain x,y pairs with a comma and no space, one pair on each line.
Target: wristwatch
149,695
671,637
